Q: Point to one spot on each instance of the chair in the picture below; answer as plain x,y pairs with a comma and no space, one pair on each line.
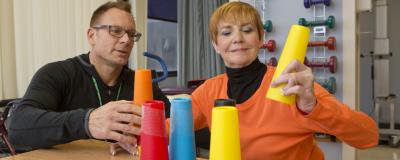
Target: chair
202,136
3,131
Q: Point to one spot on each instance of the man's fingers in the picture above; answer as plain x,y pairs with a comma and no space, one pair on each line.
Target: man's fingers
115,148
128,147
128,108
127,118
122,138
125,128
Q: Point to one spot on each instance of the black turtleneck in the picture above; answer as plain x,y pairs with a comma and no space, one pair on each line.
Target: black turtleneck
243,82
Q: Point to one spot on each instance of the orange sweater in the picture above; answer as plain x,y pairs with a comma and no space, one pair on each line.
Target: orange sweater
270,130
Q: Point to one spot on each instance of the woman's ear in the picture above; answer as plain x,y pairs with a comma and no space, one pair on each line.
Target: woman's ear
215,47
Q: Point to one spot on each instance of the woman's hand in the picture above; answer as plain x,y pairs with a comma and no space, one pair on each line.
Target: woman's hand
300,82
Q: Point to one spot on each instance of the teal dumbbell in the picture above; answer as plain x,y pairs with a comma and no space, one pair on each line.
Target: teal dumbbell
330,22
329,84
267,26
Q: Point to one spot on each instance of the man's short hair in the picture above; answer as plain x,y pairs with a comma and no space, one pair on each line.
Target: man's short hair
122,5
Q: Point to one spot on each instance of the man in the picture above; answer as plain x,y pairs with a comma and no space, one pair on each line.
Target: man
85,96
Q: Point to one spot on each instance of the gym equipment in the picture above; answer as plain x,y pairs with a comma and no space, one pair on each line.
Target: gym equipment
225,139
267,26
309,3
330,43
295,49
330,63
390,133
330,22
272,61
329,84
181,139
270,45
153,137
162,63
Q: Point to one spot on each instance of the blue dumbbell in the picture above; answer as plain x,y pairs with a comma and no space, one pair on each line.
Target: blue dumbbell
309,3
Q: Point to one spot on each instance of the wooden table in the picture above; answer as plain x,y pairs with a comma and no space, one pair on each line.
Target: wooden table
77,150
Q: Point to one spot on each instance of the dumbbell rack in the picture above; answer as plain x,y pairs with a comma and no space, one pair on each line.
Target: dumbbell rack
319,34
260,6
319,54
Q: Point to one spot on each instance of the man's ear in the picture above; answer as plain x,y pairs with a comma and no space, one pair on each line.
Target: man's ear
90,35
215,47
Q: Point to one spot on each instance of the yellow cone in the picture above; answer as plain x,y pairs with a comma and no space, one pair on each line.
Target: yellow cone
295,48
225,140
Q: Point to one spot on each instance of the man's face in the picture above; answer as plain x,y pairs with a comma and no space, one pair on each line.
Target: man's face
108,48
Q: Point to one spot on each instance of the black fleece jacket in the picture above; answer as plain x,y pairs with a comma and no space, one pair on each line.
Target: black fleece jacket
56,105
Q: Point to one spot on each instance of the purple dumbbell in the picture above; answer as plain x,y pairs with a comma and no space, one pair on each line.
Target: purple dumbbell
309,3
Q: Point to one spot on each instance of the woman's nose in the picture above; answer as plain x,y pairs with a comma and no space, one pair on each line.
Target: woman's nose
237,38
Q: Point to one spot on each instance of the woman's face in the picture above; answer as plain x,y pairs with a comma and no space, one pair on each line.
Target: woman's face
238,44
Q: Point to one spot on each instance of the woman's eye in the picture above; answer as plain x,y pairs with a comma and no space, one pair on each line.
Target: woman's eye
225,33
247,30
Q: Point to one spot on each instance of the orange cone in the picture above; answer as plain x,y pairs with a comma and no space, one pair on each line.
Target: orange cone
143,90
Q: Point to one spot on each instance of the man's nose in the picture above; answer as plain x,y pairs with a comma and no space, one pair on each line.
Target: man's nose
125,38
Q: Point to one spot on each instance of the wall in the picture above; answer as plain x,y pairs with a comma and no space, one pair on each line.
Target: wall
7,53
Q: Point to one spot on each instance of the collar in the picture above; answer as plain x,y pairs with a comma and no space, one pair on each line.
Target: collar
240,75
91,70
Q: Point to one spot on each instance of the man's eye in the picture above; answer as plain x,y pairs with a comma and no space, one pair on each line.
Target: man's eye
116,30
131,34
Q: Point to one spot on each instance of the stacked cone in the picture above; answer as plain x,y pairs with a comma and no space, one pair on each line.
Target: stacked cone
225,139
143,91
143,88
153,135
181,140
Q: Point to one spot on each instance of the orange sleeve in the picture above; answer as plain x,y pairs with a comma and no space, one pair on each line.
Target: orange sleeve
198,99
335,118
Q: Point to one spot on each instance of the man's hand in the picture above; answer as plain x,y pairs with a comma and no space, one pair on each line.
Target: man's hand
117,147
119,121
300,82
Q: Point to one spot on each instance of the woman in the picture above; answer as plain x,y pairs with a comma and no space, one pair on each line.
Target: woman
270,129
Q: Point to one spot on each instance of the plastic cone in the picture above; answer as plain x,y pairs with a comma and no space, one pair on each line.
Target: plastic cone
225,139
143,90
181,140
153,138
295,48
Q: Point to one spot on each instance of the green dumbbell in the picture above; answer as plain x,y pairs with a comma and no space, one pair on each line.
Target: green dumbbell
330,22
329,84
267,25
